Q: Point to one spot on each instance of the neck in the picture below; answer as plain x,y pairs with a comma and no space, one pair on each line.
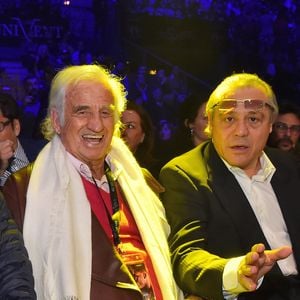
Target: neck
97,170
251,171
197,140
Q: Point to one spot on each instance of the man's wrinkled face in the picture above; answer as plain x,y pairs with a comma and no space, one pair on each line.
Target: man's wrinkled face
240,129
89,121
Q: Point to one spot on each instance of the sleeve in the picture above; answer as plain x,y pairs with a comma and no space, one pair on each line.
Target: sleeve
14,192
16,279
231,286
196,270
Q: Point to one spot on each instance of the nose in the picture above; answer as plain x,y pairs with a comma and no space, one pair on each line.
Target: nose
95,122
288,132
241,128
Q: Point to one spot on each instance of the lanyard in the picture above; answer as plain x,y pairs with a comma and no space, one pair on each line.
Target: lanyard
114,219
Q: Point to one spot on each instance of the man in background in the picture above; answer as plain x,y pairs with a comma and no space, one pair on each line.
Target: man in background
286,129
12,154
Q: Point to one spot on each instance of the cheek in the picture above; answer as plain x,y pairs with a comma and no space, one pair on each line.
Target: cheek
294,138
137,137
260,139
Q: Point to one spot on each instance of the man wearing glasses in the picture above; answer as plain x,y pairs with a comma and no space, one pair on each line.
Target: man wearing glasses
12,155
232,203
286,129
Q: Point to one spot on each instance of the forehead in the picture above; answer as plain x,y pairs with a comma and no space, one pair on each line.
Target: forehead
89,91
201,109
130,116
288,118
248,93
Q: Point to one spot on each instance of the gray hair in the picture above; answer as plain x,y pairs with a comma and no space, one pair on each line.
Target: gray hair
236,81
70,76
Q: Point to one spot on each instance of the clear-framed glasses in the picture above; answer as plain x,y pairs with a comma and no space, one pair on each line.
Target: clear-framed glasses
249,104
4,124
283,127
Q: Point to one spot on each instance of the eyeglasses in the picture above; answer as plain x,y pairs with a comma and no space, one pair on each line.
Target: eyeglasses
4,124
283,127
250,104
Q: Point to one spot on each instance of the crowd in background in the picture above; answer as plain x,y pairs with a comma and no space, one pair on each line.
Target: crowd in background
271,50
261,36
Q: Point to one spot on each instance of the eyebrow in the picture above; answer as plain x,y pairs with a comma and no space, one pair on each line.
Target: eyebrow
79,107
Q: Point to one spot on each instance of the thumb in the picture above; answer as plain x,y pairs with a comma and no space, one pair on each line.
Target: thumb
279,253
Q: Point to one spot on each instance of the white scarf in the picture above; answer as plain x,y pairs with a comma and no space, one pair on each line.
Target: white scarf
57,225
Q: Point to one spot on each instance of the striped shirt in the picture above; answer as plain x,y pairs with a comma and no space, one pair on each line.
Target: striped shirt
18,161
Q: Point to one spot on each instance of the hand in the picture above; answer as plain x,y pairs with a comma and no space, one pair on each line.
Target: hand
257,263
6,152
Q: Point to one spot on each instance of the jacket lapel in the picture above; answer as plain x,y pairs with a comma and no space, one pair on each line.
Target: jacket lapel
233,200
286,187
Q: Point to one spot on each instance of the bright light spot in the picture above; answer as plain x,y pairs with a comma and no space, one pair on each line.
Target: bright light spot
152,72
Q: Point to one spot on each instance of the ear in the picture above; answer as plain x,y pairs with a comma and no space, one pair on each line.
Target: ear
271,128
209,120
142,139
55,121
16,127
187,123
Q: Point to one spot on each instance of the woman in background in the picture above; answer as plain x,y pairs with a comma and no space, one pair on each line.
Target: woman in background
192,116
190,131
138,133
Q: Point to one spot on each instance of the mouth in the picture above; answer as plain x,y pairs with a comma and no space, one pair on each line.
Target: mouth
239,147
93,138
285,144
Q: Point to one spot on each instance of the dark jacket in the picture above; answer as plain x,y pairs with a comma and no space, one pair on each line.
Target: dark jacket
110,278
16,280
211,221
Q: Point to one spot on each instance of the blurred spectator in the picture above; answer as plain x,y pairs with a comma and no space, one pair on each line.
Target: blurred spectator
161,106
122,70
286,129
177,81
32,106
64,59
28,57
81,56
193,122
12,154
6,82
138,88
190,130
139,135
165,130
43,60
16,280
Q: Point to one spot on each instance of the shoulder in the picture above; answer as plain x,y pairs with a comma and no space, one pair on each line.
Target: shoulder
282,159
23,173
195,155
198,162
189,168
15,190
